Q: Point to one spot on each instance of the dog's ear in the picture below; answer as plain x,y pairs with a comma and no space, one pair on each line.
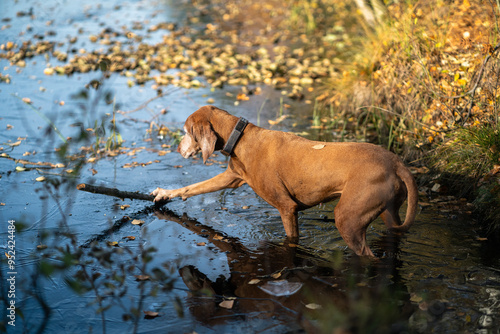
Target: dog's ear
206,138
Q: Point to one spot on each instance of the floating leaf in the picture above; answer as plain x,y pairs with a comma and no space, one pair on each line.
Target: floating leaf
137,222
278,120
150,314
20,169
281,288
40,179
242,97
228,304
276,275
313,306
201,243
140,278
254,281
124,206
113,243
130,237
17,143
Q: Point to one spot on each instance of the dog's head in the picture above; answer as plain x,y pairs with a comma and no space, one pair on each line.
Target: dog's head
199,135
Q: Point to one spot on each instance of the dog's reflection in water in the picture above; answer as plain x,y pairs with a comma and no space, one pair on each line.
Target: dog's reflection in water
283,281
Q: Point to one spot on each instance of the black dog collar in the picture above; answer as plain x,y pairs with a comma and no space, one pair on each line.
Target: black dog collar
233,138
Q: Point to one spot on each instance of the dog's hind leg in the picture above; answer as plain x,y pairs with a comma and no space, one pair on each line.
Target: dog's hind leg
352,217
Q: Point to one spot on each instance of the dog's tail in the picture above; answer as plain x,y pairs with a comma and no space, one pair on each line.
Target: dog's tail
412,199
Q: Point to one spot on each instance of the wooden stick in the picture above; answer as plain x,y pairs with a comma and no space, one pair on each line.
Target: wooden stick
115,192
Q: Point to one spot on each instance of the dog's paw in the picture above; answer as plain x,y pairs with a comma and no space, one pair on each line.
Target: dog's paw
163,194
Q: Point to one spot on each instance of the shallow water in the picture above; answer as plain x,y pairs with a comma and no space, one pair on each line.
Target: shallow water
439,277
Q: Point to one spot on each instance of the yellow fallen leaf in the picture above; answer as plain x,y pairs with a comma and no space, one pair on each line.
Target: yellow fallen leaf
242,97
201,243
218,237
318,146
313,306
124,206
17,143
130,237
40,179
137,222
20,169
27,100
278,120
113,243
276,275
254,281
228,304
150,314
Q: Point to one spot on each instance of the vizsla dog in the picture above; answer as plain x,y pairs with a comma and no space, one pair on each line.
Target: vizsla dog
292,174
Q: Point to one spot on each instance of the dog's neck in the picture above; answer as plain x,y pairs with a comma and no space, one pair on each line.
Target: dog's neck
223,125
234,136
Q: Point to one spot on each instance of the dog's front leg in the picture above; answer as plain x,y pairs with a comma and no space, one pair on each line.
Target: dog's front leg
228,179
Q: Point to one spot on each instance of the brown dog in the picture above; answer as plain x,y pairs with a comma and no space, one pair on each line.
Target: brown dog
292,173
